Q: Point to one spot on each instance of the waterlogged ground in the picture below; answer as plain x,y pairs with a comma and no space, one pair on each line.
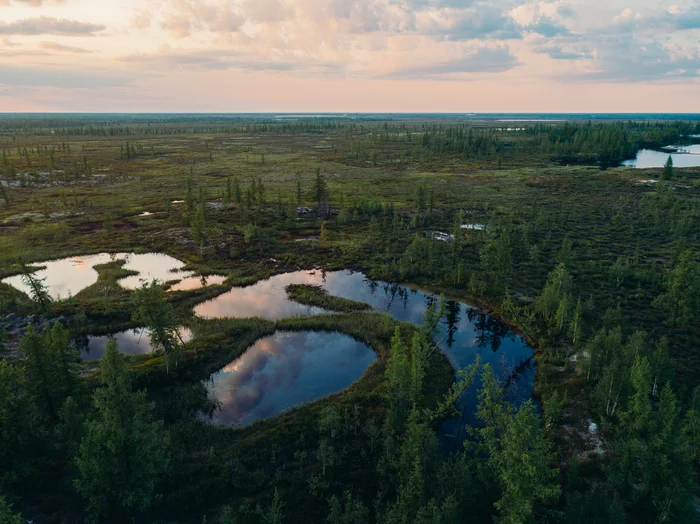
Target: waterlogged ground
68,276
465,334
197,282
286,370
131,342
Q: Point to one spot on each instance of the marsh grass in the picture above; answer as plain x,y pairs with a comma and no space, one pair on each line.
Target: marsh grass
317,296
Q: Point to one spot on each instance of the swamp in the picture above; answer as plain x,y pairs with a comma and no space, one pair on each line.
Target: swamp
402,319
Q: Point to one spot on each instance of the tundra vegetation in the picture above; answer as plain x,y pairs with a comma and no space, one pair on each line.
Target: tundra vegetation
600,272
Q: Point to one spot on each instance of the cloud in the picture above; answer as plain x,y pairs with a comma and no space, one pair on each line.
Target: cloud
141,19
685,18
483,22
55,46
626,59
45,25
558,52
483,60
38,3
62,78
546,26
44,49
267,10
183,17
357,17
216,59
566,11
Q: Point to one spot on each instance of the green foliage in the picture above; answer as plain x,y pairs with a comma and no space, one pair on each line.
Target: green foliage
37,289
348,511
692,426
319,297
398,373
520,456
152,310
667,171
7,515
19,429
48,359
559,284
553,409
274,513
124,453
681,301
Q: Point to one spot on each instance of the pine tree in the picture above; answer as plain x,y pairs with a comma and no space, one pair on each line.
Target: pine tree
667,172
323,235
47,358
152,309
419,357
576,326
275,512
237,191
398,372
681,302
692,427
320,193
124,453
420,198
20,434
637,419
671,482
349,511
7,515
520,456
37,289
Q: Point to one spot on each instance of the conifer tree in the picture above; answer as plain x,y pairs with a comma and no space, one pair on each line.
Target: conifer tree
37,289
152,309
7,515
20,433
125,452
667,172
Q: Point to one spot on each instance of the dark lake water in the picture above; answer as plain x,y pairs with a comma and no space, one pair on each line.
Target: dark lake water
467,331
285,370
647,158
68,276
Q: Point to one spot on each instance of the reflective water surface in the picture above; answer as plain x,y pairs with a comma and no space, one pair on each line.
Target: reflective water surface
152,266
197,282
285,370
131,342
466,332
67,276
647,158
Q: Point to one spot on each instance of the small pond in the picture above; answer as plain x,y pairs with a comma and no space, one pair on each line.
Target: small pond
197,282
68,276
688,156
285,370
131,342
467,331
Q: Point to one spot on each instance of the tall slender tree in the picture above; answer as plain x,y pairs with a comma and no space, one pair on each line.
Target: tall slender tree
125,453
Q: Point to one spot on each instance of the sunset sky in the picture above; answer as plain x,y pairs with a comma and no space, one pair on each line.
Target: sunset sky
350,55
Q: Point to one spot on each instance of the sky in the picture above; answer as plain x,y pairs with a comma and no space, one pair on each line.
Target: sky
450,56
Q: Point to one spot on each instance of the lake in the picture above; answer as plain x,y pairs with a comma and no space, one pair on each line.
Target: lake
467,331
286,370
68,276
648,158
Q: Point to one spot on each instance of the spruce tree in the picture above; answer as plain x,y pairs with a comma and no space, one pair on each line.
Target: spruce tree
125,453
667,172
152,309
